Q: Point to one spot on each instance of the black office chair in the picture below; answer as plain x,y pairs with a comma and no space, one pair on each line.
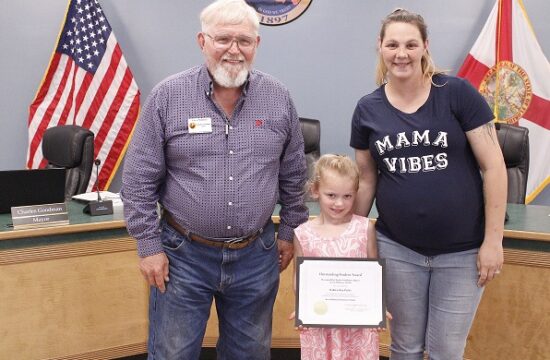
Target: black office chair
70,147
514,142
311,129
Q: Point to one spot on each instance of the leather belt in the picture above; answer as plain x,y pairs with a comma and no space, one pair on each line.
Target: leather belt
233,243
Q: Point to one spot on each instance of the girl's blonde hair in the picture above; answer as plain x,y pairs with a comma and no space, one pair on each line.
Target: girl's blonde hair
401,15
342,164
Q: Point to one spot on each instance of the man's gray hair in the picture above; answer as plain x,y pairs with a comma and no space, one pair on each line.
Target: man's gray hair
232,12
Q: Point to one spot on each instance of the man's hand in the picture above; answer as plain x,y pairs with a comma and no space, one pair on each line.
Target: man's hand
286,252
154,269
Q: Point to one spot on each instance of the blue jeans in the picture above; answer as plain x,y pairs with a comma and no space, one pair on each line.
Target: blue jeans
243,283
433,300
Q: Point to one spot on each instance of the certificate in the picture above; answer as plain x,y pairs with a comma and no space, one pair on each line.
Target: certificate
340,292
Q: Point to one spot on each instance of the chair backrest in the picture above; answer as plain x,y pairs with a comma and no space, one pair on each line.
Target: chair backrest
311,129
514,142
70,147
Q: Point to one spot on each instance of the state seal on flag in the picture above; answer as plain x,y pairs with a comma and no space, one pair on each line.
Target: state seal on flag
279,12
509,93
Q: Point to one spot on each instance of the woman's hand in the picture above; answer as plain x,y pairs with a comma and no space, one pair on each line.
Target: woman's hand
489,261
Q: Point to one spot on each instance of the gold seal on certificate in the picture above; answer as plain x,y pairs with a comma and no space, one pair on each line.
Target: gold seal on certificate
320,307
336,292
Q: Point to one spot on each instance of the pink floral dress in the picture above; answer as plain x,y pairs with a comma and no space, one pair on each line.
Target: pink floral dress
337,343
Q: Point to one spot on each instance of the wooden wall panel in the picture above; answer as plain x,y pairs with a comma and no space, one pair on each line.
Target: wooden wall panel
71,305
87,300
513,318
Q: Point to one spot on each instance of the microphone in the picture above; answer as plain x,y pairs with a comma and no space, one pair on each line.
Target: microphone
98,207
97,162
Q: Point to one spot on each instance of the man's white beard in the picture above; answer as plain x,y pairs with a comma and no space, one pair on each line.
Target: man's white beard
223,78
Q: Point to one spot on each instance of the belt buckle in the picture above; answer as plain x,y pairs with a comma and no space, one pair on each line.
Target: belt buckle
235,240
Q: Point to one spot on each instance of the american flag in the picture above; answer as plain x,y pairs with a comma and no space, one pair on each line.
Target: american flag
87,83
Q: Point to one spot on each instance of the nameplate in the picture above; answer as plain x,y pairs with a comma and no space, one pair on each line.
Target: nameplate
34,216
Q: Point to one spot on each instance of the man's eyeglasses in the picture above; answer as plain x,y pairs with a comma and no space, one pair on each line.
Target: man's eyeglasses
224,42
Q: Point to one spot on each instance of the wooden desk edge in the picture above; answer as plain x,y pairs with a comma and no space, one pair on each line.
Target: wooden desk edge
62,229
117,224
512,234
527,235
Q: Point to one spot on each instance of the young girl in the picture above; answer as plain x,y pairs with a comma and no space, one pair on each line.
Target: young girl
336,232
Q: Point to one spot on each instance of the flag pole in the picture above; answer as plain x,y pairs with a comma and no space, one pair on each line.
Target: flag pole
497,63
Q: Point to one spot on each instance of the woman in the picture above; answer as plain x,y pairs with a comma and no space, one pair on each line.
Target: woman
427,149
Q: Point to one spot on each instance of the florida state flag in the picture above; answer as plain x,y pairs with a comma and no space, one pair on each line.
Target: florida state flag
509,68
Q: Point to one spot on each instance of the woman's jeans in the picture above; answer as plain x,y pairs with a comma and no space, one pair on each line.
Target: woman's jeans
433,300
244,284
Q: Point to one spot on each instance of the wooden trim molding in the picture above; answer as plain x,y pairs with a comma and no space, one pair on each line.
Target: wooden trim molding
527,235
141,348
527,258
111,353
62,229
68,250
512,234
290,343
118,244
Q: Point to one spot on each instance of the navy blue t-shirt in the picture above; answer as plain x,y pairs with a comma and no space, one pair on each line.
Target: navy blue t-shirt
429,193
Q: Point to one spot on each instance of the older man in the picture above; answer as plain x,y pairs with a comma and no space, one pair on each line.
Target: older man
216,146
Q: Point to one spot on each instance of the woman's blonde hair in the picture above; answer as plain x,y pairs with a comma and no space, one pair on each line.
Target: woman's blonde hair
342,164
401,15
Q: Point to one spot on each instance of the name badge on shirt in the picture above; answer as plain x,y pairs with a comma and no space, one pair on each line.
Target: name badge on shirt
199,125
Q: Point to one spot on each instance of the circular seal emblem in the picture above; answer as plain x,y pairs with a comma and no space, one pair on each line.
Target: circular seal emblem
279,12
320,307
514,91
